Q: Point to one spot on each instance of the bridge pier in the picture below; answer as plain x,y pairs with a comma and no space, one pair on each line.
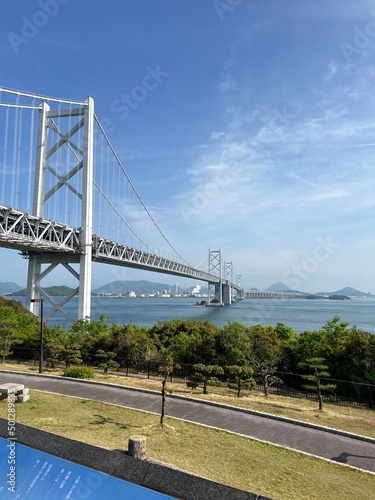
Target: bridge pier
215,297
32,291
226,293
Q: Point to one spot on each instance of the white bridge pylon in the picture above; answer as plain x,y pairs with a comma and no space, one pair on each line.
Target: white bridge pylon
220,293
83,168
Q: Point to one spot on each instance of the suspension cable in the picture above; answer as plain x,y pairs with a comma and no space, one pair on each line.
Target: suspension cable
11,105
136,192
42,97
118,213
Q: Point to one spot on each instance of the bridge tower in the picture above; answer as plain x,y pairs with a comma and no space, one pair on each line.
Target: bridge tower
51,138
228,279
215,290
240,290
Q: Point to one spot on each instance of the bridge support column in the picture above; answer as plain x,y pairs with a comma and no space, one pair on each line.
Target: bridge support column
34,268
85,266
32,291
226,293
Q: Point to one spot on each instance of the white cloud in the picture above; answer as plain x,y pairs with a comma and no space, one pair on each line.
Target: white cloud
331,71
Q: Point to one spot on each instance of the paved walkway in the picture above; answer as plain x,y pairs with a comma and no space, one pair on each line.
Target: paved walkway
344,449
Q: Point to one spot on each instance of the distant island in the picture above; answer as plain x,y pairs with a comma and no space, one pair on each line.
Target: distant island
330,297
281,289
53,291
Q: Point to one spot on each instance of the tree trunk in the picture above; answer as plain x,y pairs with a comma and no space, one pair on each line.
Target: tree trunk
205,387
137,446
239,387
265,385
163,401
320,397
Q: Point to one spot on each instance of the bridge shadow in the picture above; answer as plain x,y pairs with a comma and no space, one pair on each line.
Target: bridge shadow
344,456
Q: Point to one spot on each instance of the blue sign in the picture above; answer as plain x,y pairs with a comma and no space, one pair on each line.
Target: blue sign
28,473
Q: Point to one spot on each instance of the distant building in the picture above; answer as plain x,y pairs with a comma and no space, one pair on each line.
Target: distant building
130,293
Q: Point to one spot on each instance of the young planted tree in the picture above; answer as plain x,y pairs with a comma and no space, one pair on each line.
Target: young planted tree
106,360
266,353
205,375
265,371
55,339
318,370
241,377
165,370
70,354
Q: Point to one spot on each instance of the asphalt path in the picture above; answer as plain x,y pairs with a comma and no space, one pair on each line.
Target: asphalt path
345,449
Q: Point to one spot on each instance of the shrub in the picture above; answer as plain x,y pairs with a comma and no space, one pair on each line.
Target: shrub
79,372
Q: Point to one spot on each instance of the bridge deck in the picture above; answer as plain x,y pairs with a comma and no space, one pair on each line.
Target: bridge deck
28,233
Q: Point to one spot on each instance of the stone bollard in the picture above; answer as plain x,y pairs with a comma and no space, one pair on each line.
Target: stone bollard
137,447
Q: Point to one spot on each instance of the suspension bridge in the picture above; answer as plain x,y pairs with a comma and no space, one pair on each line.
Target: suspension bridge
67,200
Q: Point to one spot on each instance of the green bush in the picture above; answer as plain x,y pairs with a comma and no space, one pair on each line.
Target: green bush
79,372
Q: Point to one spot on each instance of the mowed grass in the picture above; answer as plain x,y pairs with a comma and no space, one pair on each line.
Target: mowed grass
347,418
223,457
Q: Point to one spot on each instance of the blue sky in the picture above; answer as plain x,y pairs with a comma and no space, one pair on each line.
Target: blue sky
256,135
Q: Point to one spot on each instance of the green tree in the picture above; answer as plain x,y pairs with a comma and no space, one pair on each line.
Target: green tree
309,344
241,376
358,357
18,327
188,341
266,353
132,342
233,345
317,370
205,375
337,333
288,338
106,360
164,333
285,333
55,339
70,352
91,336
197,343
7,337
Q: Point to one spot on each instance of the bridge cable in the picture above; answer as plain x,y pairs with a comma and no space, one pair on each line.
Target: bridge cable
136,192
5,152
42,97
31,156
121,217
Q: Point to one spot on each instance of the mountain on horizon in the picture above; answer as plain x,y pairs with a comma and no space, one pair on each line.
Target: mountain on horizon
278,287
9,287
53,291
348,290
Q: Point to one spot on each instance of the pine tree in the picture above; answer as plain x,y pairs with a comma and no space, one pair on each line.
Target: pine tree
318,370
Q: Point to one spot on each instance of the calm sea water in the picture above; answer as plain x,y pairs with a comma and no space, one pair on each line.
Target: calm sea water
300,314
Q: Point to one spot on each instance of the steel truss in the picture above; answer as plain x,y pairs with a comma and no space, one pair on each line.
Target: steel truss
107,251
19,230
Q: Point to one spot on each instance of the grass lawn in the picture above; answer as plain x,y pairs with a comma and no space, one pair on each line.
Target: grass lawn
347,418
237,461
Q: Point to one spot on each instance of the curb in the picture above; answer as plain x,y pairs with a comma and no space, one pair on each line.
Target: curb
301,423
